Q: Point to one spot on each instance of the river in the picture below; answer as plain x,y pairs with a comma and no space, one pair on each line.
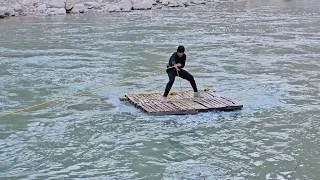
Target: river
265,55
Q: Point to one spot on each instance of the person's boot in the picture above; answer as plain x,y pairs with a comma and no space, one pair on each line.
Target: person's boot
165,99
197,95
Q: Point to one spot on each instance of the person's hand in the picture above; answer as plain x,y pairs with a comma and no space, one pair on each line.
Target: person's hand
178,65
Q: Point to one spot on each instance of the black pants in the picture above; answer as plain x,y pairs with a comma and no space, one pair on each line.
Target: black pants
172,73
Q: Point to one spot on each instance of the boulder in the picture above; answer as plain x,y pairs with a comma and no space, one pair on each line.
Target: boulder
198,2
182,3
57,4
69,5
157,7
17,8
29,3
92,5
113,8
125,5
154,3
78,8
164,2
173,3
2,12
12,12
142,4
42,8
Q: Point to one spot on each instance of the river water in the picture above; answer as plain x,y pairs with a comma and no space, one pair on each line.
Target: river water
265,55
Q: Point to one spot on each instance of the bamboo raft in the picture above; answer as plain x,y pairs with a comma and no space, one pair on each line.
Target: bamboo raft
181,103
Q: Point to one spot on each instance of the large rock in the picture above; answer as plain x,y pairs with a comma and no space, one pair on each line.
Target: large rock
142,5
69,4
56,11
198,1
125,5
164,2
92,5
42,8
157,7
57,3
12,12
173,3
78,8
113,8
182,3
17,8
2,12
29,3
154,3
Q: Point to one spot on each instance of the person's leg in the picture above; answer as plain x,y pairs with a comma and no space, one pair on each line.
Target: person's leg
172,76
186,75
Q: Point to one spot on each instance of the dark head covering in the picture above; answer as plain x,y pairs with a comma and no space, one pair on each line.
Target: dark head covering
180,49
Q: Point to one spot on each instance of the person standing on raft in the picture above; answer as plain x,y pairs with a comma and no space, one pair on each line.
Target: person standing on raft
175,68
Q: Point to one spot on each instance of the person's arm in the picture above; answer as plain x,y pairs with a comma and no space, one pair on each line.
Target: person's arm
172,60
183,62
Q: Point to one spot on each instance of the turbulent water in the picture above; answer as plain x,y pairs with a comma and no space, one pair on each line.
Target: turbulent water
265,55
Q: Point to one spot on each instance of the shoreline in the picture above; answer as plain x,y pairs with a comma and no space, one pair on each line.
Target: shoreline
64,7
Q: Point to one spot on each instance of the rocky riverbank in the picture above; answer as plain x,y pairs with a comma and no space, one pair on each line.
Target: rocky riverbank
10,8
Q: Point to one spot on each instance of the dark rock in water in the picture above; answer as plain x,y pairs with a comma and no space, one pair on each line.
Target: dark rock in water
69,10
2,16
6,14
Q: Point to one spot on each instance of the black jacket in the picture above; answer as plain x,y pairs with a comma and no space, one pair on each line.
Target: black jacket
175,59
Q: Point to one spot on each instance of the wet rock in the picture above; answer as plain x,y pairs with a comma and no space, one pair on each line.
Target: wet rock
157,7
198,2
56,11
